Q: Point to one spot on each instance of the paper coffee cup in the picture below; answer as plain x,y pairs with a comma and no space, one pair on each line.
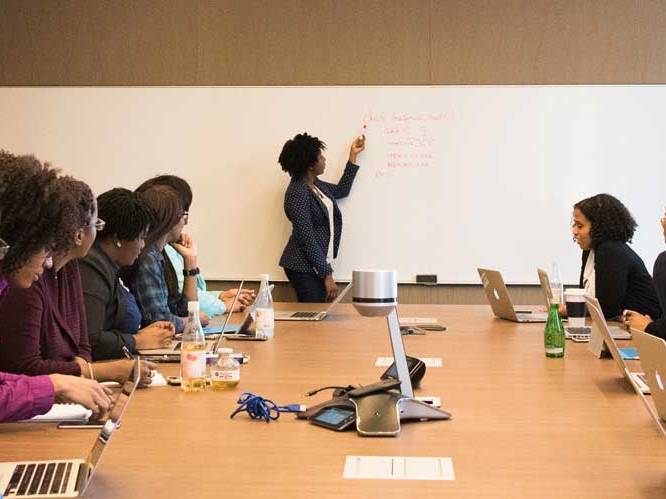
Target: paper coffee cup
575,302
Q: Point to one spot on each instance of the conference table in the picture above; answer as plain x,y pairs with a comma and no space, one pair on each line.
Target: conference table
523,425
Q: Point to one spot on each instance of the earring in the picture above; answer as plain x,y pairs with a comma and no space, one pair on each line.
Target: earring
119,244
78,242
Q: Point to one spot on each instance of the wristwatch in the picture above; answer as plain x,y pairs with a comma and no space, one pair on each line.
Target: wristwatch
191,272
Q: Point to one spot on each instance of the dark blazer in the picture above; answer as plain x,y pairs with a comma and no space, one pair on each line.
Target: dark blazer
106,305
658,326
621,280
43,328
307,246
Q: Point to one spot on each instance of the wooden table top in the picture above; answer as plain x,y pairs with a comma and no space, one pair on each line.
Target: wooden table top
523,425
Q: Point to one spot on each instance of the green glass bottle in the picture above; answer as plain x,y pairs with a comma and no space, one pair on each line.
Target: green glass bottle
553,337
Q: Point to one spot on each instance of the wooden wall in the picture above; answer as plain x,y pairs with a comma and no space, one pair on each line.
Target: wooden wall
334,42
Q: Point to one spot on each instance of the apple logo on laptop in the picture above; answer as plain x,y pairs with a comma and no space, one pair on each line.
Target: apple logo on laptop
496,294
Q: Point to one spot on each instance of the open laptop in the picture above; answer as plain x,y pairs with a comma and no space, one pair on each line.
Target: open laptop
62,477
652,351
312,316
579,334
601,336
500,300
173,349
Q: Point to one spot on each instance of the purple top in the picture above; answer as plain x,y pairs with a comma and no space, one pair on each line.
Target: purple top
22,397
43,328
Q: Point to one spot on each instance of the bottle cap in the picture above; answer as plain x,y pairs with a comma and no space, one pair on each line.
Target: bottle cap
225,351
192,306
265,277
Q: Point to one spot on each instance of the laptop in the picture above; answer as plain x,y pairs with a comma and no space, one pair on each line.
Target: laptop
578,334
173,350
62,477
312,316
652,352
601,336
500,300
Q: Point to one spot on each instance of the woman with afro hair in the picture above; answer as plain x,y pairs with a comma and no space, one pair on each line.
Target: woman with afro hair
311,207
611,271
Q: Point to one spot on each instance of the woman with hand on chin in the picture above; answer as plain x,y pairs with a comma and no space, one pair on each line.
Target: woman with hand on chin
311,206
611,271
643,322
31,224
147,279
114,319
43,329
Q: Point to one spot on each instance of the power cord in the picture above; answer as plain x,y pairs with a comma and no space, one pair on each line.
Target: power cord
260,408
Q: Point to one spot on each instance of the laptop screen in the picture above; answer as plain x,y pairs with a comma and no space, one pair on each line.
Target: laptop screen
229,314
111,424
339,298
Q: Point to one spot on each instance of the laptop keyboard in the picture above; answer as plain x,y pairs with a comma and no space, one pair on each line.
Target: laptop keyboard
305,315
43,478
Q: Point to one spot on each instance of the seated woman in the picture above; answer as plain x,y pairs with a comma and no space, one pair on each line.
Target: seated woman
147,279
611,271
643,322
32,222
113,316
43,329
211,303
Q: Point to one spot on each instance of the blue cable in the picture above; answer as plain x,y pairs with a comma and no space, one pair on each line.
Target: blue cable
260,408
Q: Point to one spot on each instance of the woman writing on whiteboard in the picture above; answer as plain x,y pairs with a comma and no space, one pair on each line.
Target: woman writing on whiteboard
611,271
310,204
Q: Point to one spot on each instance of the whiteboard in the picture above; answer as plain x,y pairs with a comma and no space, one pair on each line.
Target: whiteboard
454,177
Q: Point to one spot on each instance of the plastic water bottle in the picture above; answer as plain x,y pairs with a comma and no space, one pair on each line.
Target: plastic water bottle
225,374
193,352
265,315
556,288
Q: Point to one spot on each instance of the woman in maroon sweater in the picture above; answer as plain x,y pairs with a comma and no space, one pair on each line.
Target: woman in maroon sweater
33,221
43,329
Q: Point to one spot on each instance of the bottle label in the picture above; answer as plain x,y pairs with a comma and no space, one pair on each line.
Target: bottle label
226,375
193,364
265,321
554,350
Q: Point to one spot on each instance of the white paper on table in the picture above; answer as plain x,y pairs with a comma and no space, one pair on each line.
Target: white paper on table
415,321
63,412
399,468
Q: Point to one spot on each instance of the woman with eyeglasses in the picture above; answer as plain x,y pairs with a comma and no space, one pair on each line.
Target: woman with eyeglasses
32,221
146,278
611,271
211,303
43,329
644,322
114,318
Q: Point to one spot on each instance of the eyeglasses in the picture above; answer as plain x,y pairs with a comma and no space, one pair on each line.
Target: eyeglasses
4,248
99,225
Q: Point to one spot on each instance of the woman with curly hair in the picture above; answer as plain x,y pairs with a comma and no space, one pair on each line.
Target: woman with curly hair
611,271
311,207
43,329
31,222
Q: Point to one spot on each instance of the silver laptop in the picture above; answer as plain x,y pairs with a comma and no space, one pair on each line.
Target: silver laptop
602,340
500,300
579,334
62,477
312,316
652,351
211,345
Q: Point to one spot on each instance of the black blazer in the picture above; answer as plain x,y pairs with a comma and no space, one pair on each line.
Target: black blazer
621,280
658,325
308,244
105,305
